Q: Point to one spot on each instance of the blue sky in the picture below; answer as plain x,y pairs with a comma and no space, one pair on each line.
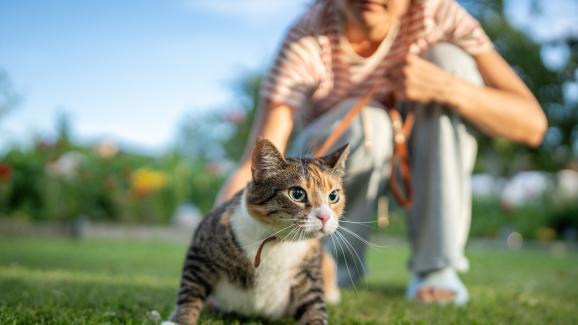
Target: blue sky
130,70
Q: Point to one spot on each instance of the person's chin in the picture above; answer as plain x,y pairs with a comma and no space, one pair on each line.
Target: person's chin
371,19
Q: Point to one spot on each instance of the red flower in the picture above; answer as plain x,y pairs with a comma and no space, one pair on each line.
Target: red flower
5,172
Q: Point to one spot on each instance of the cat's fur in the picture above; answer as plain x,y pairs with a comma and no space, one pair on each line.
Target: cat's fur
295,275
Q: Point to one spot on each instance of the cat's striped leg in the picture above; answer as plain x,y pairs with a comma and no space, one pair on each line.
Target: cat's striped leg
307,294
198,278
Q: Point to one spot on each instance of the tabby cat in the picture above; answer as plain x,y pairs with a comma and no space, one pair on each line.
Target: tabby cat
259,254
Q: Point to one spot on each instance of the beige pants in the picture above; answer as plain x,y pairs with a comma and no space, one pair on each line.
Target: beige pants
443,154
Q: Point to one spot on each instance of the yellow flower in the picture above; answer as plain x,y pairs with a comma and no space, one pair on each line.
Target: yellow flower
546,234
146,180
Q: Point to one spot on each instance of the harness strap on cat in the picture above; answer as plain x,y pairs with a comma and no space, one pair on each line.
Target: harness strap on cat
401,133
257,261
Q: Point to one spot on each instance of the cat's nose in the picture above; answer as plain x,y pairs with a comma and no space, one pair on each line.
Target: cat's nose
323,217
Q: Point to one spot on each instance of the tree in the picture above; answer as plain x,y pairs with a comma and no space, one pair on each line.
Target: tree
247,89
9,99
219,134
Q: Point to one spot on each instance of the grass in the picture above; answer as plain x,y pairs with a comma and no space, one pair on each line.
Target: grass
57,281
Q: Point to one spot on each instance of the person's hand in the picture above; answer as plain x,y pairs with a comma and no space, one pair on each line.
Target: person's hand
418,80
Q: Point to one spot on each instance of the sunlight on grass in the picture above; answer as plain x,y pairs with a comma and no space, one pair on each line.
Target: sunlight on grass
17,272
54,281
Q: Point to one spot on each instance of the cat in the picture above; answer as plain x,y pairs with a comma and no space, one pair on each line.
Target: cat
259,254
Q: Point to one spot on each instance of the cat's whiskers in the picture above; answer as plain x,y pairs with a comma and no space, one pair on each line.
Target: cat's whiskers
362,239
290,234
351,249
294,236
357,222
347,265
301,234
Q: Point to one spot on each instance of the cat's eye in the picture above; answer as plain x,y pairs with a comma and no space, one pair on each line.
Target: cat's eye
334,197
298,194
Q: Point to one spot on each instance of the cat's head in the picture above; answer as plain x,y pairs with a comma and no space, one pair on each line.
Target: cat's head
300,198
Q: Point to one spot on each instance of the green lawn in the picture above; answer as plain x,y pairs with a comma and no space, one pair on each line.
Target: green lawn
53,281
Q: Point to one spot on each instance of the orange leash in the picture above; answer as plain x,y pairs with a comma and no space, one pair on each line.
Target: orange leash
345,122
401,133
400,159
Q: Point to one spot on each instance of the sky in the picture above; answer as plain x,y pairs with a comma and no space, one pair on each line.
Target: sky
129,71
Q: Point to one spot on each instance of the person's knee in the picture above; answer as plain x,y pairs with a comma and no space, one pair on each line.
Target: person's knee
455,60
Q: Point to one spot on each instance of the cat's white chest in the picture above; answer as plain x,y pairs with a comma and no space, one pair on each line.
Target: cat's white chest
273,278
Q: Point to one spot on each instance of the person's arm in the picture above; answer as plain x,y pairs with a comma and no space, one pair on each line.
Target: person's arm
274,122
504,107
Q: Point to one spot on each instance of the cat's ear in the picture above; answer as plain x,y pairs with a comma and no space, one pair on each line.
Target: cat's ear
336,160
266,160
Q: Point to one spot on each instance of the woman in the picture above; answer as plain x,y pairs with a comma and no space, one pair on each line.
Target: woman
436,60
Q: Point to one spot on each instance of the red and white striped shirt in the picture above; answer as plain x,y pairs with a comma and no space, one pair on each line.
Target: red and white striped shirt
314,70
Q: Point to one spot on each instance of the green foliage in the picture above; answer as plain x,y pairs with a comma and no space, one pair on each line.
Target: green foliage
61,182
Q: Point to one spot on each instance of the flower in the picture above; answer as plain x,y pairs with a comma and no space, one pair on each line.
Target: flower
5,173
146,180
66,166
546,234
107,149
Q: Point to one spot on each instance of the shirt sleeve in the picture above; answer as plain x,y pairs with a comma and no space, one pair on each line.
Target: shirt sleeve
292,77
460,28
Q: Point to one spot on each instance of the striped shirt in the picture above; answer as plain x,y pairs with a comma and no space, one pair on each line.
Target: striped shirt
315,69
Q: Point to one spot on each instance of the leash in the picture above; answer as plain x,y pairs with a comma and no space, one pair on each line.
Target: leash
346,122
401,133
257,260
400,159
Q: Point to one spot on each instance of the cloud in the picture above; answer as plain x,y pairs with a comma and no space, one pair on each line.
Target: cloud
245,8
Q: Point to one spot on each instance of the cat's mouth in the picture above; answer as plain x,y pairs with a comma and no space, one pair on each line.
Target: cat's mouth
303,230
318,232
